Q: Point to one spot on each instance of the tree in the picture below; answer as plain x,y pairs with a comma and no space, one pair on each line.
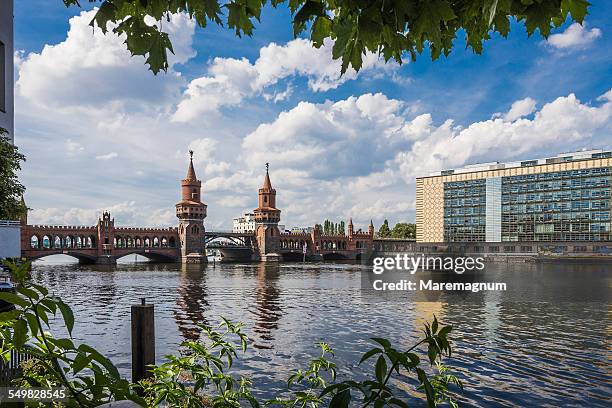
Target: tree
404,230
341,228
11,190
384,230
390,28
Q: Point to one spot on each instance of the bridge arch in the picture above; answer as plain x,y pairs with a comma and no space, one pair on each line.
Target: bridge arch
81,257
34,242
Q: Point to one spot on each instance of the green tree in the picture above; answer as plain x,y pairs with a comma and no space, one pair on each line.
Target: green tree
391,28
384,230
342,228
11,190
404,230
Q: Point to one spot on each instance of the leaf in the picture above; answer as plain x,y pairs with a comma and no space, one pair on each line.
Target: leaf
14,299
80,362
341,399
321,29
67,315
29,293
369,354
577,8
383,342
33,323
20,329
381,369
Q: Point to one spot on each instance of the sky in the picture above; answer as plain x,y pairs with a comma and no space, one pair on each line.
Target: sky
101,132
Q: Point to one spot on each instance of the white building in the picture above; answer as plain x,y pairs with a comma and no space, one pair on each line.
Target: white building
244,224
6,67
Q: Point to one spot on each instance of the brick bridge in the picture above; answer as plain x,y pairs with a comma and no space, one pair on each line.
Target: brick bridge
104,243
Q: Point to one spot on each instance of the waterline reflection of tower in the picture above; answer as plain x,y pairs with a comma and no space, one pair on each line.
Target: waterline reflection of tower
268,310
192,302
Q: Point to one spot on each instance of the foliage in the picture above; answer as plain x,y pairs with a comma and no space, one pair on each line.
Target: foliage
200,376
404,230
334,228
11,190
90,378
391,28
384,231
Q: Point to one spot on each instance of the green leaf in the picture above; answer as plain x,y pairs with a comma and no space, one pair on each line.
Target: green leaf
14,299
20,330
383,342
577,8
67,315
80,362
341,399
381,368
369,354
33,323
27,292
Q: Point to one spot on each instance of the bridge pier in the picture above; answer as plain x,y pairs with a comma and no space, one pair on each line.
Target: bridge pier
106,260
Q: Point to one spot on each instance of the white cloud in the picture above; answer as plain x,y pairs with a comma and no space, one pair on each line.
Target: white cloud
108,156
575,36
520,108
92,69
231,80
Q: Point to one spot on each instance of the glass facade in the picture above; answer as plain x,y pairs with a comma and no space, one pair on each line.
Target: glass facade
465,211
572,205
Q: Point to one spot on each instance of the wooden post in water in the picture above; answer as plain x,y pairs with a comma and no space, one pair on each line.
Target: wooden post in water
143,340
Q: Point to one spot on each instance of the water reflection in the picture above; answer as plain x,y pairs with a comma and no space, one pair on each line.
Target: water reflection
268,310
192,301
543,342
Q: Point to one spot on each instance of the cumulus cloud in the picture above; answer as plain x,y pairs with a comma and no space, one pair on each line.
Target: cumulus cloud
563,123
230,81
351,137
520,108
575,36
92,69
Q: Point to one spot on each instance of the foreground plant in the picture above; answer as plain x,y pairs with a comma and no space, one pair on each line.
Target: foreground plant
200,376
391,28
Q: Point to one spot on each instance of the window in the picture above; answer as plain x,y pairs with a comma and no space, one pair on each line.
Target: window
3,86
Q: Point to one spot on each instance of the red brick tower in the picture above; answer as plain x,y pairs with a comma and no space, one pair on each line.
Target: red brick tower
267,217
191,213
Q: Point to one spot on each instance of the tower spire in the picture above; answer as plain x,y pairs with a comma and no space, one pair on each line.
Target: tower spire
191,172
267,185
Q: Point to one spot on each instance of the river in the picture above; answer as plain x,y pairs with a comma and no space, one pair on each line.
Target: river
545,341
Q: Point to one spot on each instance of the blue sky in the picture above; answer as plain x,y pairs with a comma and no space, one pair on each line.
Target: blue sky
101,132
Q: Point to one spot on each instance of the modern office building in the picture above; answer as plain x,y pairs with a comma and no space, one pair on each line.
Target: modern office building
6,67
557,199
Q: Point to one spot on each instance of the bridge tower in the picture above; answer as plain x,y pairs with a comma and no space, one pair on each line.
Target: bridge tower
267,217
191,212
106,235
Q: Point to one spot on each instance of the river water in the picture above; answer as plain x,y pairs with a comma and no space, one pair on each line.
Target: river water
545,341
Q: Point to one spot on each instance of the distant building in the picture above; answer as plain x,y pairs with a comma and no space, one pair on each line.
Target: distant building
6,67
560,198
301,230
244,224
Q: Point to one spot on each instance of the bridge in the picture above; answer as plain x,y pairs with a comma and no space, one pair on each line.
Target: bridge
100,244
104,242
